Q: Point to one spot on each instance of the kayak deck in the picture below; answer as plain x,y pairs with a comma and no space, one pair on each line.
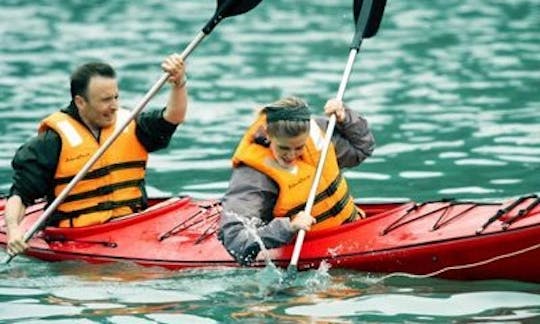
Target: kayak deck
417,238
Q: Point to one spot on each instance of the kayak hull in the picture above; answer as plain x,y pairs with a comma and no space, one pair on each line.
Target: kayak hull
448,239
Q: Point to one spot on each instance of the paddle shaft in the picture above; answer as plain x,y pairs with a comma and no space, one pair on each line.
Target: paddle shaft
322,158
144,101
361,27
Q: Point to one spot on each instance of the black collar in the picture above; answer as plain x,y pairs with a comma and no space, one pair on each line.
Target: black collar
73,112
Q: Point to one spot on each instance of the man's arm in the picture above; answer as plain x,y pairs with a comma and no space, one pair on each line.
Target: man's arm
246,220
352,138
14,212
175,112
34,166
156,128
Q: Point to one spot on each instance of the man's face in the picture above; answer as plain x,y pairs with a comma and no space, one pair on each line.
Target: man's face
287,150
98,109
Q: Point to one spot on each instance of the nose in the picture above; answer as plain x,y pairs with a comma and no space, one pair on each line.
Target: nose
115,104
293,155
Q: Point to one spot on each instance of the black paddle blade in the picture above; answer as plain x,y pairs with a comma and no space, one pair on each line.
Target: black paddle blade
375,14
236,7
229,8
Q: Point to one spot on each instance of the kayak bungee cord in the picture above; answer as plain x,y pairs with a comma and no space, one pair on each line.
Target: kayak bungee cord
522,212
457,267
439,223
503,211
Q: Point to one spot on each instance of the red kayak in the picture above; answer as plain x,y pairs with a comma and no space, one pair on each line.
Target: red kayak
450,239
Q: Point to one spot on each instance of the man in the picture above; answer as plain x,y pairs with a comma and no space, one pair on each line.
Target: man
67,139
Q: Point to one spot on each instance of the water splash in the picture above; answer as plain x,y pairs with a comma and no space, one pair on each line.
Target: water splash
273,279
251,226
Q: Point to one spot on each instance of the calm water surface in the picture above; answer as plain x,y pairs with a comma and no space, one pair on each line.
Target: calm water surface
450,88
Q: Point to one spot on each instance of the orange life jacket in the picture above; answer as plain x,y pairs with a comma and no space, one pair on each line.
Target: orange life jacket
333,204
113,186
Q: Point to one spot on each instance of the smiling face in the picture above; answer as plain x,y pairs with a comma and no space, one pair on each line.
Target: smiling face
287,129
99,106
286,150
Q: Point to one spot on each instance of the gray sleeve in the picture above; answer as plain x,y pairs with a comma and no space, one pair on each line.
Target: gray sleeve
352,139
246,219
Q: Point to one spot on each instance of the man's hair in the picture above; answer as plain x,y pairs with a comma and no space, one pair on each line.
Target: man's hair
287,128
82,75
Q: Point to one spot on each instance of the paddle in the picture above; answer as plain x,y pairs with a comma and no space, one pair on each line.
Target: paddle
367,17
225,8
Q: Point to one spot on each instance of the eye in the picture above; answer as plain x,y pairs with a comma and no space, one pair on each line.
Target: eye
284,148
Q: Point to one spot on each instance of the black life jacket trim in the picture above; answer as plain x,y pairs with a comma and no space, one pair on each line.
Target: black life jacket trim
329,191
101,172
336,209
135,205
105,190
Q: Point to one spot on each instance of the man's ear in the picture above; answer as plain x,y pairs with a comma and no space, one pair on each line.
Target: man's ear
79,101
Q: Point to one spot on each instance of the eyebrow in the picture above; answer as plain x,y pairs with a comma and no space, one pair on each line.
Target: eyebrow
283,147
107,97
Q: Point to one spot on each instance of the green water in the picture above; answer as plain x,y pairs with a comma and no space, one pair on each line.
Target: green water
450,88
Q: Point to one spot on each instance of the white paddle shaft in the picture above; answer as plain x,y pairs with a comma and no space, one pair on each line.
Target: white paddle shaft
320,165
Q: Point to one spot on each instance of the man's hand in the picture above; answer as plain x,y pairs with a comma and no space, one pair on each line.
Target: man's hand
174,65
334,106
15,243
14,212
302,221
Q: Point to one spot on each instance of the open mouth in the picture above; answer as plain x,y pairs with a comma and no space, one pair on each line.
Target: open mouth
287,162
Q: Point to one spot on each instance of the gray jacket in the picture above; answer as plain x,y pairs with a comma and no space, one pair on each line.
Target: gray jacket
247,221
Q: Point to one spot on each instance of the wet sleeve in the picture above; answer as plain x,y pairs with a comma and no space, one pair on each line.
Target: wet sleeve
34,166
352,139
246,220
153,131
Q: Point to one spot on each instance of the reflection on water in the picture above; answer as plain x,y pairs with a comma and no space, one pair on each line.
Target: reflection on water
450,89
124,292
478,305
